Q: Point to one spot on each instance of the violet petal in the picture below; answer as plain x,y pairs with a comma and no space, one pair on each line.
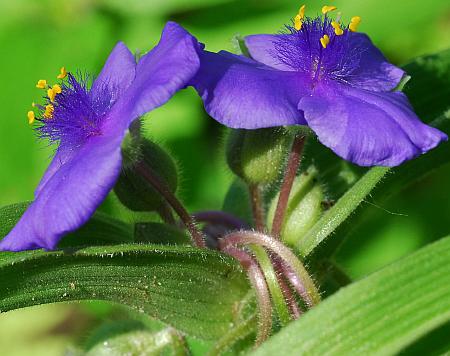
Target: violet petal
368,128
242,93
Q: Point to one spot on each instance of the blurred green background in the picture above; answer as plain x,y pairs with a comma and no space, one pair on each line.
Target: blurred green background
38,37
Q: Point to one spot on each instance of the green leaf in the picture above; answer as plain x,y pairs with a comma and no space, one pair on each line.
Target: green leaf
341,211
429,84
380,182
193,290
379,315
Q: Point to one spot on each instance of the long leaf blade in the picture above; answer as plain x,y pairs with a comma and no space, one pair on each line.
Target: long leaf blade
193,290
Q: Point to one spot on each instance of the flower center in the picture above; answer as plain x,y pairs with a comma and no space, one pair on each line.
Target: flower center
321,46
72,112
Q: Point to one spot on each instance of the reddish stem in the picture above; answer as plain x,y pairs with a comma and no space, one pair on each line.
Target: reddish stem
286,290
293,163
146,172
295,281
257,207
296,272
259,284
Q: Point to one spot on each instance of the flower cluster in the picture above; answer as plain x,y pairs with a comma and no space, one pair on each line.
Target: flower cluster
318,72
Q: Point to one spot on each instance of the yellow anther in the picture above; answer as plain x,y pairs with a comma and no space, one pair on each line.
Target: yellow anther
33,104
298,23
324,41
57,89
51,94
41,84
327,8
301,12
31,117
62,73
298,20
337,28
48,114
354,23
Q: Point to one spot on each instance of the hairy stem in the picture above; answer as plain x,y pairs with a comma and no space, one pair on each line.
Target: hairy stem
259,284
220,218
278,299
293,163
166,214
310,294
196,235
296,283
257,206
286,290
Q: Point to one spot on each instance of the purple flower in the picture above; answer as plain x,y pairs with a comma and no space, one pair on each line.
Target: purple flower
89,125
324,75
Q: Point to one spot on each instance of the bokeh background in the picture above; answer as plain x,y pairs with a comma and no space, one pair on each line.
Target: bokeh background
38,37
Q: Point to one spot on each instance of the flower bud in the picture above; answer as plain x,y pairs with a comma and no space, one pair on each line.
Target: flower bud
131,188
257,156
304,207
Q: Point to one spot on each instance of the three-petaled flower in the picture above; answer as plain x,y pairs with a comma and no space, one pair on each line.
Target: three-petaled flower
89,125
322,74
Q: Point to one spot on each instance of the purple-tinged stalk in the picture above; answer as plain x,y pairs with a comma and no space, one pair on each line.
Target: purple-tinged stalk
310,293
294,280
292,166
259,284
257,206
166,215
289,297
196,235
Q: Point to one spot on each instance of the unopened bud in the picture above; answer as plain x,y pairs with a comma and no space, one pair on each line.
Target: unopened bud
131,188
257,156
304,207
